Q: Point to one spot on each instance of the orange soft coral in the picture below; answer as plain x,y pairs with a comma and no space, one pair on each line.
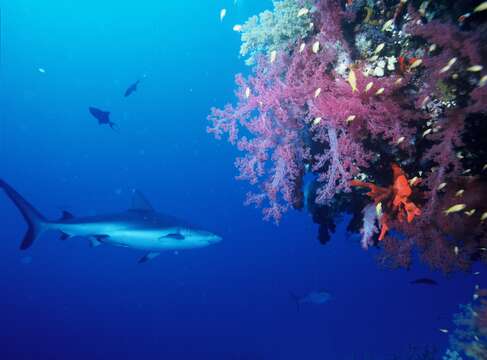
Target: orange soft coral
394,199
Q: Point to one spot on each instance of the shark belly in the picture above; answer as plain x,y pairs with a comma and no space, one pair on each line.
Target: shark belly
86,229
150,240
124,235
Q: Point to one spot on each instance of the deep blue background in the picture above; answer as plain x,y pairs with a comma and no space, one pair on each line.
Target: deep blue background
64,300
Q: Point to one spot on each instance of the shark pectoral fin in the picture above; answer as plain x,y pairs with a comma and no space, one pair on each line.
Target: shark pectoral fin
94,242
97,240
64,236
148,256
175,236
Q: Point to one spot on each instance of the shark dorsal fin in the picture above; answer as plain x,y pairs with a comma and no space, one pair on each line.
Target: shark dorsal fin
139,202
66,215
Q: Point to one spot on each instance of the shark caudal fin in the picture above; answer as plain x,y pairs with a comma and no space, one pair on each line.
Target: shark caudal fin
35,221
295,299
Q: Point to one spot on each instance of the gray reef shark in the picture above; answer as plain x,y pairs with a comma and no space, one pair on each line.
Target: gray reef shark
131,89
315,297
140,227
103,117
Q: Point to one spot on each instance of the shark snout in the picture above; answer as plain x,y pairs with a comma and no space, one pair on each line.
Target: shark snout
215,239
210,237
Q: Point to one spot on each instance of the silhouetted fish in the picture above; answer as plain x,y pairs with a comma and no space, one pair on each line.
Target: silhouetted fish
315,297
424,281
103,117
132,88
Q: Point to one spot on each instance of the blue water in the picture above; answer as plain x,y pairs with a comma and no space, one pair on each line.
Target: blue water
65,300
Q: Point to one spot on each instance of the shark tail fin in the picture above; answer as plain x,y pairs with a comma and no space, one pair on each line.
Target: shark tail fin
114,126
295,299
35,221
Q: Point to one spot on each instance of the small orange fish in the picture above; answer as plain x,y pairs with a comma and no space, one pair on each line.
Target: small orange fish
403,64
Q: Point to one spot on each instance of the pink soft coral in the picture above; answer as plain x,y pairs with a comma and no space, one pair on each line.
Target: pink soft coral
314,109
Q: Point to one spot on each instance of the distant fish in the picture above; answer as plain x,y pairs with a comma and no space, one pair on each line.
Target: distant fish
103,117
42,70
315,297
424,281
131,89
223,12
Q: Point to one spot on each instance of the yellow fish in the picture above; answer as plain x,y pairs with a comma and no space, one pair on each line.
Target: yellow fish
302,12
454,209
317,92
400,140
459,192
416,63
273,55
470,212
481,7
413,180
483,217
316,47
379,48
475,68
483,81
378,210
380,91
441,186
369,86
350,118
449,65
422,8
247,92
352,80
388,25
